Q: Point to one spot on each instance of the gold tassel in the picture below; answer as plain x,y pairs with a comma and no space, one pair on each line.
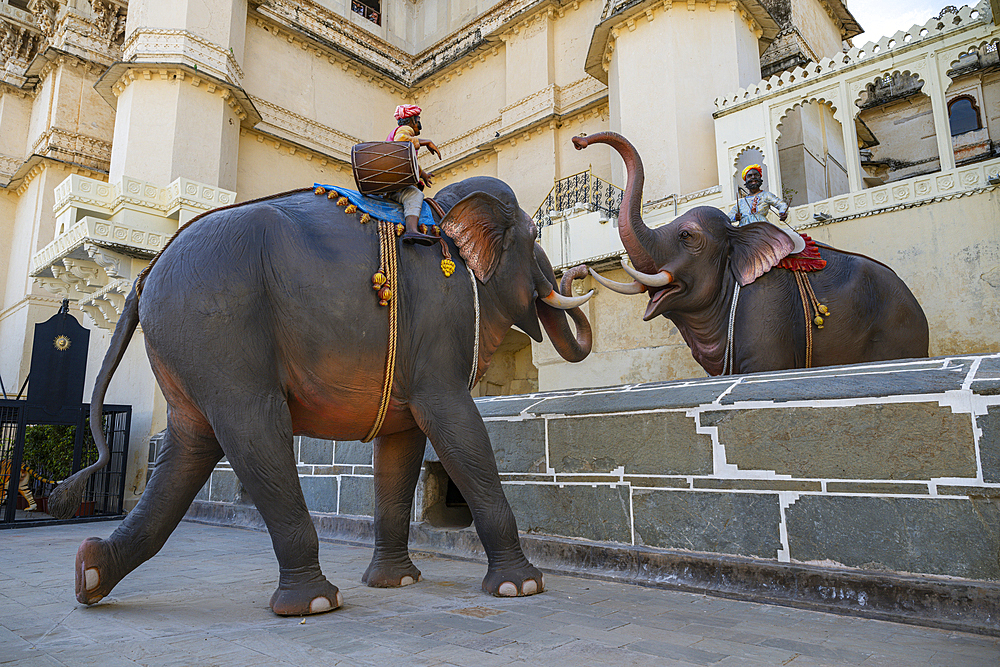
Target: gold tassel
319,189
365,218
400,229
447,267
332,194
351,209
378,280
343,201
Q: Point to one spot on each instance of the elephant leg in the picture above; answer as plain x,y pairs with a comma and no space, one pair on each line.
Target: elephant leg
255,432
188,455
459,437
398,458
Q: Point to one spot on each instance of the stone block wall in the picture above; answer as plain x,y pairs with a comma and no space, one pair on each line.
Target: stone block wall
891,466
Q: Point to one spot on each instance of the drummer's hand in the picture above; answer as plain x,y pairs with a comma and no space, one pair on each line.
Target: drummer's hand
426,178
783,216
432,147
739,216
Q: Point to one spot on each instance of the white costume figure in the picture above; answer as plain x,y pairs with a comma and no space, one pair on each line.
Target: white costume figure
755,206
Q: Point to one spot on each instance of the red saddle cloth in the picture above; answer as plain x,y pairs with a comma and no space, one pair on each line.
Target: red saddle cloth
807,260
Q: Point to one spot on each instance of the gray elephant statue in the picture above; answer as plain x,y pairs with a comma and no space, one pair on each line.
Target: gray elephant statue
693,268
261,323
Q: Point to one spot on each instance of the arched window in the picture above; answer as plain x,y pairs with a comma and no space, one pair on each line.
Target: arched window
963,115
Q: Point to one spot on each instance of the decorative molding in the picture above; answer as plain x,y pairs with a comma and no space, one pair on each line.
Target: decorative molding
908,193
886,48
306,131
36,165
99,237
82,149
44,12
180,74
335,37
109,20
9,166
152,45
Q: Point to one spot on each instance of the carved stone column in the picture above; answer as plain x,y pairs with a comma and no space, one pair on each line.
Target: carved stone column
178,92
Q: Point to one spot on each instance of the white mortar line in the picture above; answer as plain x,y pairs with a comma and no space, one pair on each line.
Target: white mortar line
973,369
631,514
548,467
785,500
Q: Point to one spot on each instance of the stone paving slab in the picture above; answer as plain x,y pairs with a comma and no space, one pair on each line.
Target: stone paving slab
203,601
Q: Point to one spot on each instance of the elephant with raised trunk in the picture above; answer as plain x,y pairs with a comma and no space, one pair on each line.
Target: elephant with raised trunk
692,267
261,323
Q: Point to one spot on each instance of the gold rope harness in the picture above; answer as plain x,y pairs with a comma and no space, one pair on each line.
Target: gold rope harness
389,295
810,302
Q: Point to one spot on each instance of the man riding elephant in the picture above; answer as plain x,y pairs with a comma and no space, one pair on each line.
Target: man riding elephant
411,198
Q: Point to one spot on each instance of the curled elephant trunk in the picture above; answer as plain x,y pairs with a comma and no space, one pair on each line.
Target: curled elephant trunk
571,347
635,235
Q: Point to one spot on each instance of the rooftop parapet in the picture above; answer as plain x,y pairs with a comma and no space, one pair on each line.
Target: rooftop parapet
948,21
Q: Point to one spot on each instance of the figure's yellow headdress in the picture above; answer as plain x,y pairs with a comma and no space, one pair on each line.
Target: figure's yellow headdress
753,167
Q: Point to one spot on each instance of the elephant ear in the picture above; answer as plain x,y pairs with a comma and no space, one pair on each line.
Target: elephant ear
478,224
756,248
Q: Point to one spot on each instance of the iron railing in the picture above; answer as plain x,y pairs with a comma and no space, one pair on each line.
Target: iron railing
583,188
104,494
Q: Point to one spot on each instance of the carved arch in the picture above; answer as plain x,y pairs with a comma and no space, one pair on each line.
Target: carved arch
798,105
888,87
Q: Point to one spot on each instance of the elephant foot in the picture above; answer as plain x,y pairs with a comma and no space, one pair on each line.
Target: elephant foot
516,582
381,574
315,598
96,574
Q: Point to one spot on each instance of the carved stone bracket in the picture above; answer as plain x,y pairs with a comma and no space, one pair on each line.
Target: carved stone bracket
45,12
109,21
106,233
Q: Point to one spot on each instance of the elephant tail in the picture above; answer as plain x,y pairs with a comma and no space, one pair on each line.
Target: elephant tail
65,498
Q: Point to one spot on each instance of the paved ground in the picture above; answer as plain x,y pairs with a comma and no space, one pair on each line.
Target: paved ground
203,601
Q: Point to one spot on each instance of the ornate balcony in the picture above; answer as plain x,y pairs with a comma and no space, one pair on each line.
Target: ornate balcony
107,233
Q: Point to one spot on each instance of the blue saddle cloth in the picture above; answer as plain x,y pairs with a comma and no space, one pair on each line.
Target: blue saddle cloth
377,207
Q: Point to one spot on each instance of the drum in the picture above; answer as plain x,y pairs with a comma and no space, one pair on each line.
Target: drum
384,166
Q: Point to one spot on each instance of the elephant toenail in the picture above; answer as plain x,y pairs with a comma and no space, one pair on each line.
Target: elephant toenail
91,578
406,581
320,604
530,587
508,590
340,599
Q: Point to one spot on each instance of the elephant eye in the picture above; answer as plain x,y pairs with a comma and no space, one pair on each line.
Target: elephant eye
685,234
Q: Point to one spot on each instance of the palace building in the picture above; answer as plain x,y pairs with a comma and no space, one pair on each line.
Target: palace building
120,121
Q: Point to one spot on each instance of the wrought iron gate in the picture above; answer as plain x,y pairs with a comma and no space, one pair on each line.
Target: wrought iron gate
105,491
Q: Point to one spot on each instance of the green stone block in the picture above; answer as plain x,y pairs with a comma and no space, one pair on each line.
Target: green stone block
313,451
956,537
225,487
320,493
357,495
519,445
889,441
589,512
989,443
353,452
742,524
661,443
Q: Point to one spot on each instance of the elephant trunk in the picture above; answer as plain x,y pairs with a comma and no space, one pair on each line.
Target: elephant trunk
571,347
635,235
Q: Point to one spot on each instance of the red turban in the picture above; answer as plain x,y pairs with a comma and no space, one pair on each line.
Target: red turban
406,111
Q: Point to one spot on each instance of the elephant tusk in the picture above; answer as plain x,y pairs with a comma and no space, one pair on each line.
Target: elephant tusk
634,287
648,279
557,300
